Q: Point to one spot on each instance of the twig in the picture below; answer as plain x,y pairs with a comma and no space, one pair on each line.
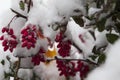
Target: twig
77,47
19,14
17,68
29,4
26,67
11,20
88,61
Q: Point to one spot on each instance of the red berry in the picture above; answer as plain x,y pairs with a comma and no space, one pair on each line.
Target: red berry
11,49
11,32
66,68
30,37
2,38
5,29
23,31
39,57
59,37
4,43
29,45
6,48
24,44
13,36
64,48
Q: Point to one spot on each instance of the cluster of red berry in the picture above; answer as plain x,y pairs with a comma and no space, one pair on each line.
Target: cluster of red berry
69,68
11,41
66,68
39,57
63,45
64,48
82,68
29,36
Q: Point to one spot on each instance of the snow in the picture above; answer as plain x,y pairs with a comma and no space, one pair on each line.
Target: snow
4,5
92,11
111,68
11,78
1,72
75,54
48,71
25,74
101,39
53,12
26,63
86,43
24,52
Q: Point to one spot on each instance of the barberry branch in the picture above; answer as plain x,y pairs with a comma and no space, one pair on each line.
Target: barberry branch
19,14
88,61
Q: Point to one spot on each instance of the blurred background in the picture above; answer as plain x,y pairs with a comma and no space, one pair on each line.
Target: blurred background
4,5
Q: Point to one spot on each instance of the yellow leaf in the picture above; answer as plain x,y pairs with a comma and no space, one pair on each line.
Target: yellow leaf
51,53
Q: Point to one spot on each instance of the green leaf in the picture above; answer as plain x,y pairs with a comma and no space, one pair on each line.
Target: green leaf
22,5
3,62
7,75
101,58
79,20
101,25
112,38
93,57
95,51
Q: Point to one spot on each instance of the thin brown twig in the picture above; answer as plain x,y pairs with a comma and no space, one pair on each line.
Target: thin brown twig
11,20
17,68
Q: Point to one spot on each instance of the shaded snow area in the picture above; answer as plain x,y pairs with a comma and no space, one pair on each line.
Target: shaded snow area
110,70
